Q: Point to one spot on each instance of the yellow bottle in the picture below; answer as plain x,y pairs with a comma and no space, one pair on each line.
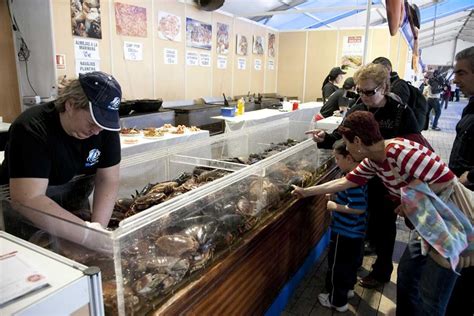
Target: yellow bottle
240,106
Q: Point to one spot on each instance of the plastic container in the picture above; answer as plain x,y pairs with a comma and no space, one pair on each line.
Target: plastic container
228,111
240,106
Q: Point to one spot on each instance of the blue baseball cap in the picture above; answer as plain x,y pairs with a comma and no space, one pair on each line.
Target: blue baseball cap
104,94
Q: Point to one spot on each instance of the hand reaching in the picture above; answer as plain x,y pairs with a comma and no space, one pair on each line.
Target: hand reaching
95,239
298,192
318,135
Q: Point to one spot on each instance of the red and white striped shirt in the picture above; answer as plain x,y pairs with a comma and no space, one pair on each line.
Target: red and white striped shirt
411,160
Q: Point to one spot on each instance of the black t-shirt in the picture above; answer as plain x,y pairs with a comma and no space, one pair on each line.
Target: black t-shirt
38,147
390,123
328,89
336,100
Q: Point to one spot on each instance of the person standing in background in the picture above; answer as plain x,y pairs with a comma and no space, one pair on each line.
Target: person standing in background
432,92
340,100
446,95
461,162
331,81
453,90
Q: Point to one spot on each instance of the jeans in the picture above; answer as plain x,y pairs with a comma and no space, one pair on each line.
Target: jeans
435,104
423,286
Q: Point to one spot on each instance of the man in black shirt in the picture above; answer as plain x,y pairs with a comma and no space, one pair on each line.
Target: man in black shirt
52,143
461,162
339,99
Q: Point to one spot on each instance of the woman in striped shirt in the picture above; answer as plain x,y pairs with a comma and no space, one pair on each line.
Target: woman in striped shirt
423,286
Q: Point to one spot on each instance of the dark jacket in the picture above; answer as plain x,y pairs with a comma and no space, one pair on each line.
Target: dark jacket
336,99
462,153
399,87
328,89
395,120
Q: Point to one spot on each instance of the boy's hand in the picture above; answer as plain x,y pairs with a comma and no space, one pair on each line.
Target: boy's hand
298,192
331,206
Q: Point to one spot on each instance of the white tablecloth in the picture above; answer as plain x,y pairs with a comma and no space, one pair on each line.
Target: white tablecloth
147,144
329,123
305,113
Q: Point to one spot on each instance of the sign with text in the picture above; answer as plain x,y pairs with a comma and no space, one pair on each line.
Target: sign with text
257,64
86,49
85,65
271,65
241,63
192,58
221,62
133,51
170,56
205,60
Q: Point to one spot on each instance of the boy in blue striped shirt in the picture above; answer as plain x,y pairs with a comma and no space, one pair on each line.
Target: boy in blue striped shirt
348,226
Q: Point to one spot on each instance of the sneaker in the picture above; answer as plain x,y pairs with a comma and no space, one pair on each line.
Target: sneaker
350,294
324,301
436,128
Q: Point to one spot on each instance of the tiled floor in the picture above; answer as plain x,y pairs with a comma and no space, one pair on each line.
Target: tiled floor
380,301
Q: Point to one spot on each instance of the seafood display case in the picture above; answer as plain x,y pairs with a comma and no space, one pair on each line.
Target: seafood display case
174,238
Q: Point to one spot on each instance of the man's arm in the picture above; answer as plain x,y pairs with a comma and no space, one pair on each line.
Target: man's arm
105,193
31,192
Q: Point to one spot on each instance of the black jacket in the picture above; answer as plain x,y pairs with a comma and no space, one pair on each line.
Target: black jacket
328,89
336,99
395,120
399,87
462,153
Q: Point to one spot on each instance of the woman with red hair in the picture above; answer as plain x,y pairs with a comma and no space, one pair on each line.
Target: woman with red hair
424,286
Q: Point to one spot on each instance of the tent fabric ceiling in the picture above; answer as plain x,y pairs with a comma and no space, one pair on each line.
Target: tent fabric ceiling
441,20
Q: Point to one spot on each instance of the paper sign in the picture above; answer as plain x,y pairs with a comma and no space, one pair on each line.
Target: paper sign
60,61
192,59
258,64
86,49
84,65
221,62
271,65
19,276
241,63
205,60
133,51
170,56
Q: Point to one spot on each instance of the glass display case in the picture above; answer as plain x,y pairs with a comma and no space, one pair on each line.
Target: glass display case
153,253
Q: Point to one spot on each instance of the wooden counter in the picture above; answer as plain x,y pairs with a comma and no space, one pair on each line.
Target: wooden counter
249,277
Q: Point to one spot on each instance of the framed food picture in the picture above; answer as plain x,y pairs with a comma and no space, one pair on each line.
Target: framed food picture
169,26
85,18
198,34
257,47
130,20
241,45
222,38
271,45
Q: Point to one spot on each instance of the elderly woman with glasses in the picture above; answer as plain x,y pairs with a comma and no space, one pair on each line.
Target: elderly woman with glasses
394,120
424,285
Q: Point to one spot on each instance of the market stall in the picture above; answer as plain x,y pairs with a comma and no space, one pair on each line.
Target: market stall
189,247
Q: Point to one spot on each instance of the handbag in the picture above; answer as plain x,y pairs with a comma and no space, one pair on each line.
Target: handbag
464,199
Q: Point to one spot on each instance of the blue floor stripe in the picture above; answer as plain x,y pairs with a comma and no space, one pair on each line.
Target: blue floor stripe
285,294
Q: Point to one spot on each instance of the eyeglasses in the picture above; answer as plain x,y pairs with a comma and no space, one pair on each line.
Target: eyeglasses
368,93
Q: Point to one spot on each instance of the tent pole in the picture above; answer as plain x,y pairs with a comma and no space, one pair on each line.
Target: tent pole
367,24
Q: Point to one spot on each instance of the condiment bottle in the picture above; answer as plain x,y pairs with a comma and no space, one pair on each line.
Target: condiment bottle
240,106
